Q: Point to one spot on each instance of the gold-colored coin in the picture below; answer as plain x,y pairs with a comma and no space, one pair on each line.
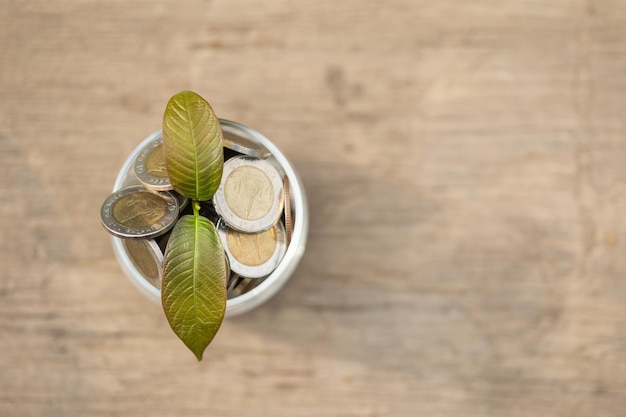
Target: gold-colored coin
248,192
252,249
250,195
253,255
137,213
139,209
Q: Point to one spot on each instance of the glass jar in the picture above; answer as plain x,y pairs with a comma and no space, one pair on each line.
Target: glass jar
267,286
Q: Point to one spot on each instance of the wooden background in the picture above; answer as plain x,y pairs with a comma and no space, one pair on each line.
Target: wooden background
465,164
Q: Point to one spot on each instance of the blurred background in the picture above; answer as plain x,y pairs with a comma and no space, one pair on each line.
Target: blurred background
465,168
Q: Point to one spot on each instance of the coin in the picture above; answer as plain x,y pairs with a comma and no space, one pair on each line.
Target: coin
147,257
250,195
244,146
150,167
288,222
137,213
253,255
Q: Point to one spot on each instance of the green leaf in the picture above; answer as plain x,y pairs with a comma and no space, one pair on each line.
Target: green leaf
192,145
193,291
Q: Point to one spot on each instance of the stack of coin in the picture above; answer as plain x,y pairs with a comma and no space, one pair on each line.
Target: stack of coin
247,210
249,202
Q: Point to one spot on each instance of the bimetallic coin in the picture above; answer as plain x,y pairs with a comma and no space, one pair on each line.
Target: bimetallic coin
288,221
150,167
138,213
244,146
147,257
250,195
253,255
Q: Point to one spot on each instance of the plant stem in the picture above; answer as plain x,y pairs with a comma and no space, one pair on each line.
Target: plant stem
196,208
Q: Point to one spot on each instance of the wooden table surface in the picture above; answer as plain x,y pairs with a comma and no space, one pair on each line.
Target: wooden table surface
465,164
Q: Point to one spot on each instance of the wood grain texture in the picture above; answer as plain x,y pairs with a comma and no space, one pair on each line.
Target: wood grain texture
465,166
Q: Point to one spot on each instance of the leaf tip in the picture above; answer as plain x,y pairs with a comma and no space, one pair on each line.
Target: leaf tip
198,353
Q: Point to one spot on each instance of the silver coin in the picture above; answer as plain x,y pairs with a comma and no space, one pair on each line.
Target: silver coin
150,167
250,195
253,255
137,213
147,257
244,146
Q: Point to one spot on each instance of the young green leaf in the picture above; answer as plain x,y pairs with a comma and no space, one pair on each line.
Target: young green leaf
192,145
193,291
